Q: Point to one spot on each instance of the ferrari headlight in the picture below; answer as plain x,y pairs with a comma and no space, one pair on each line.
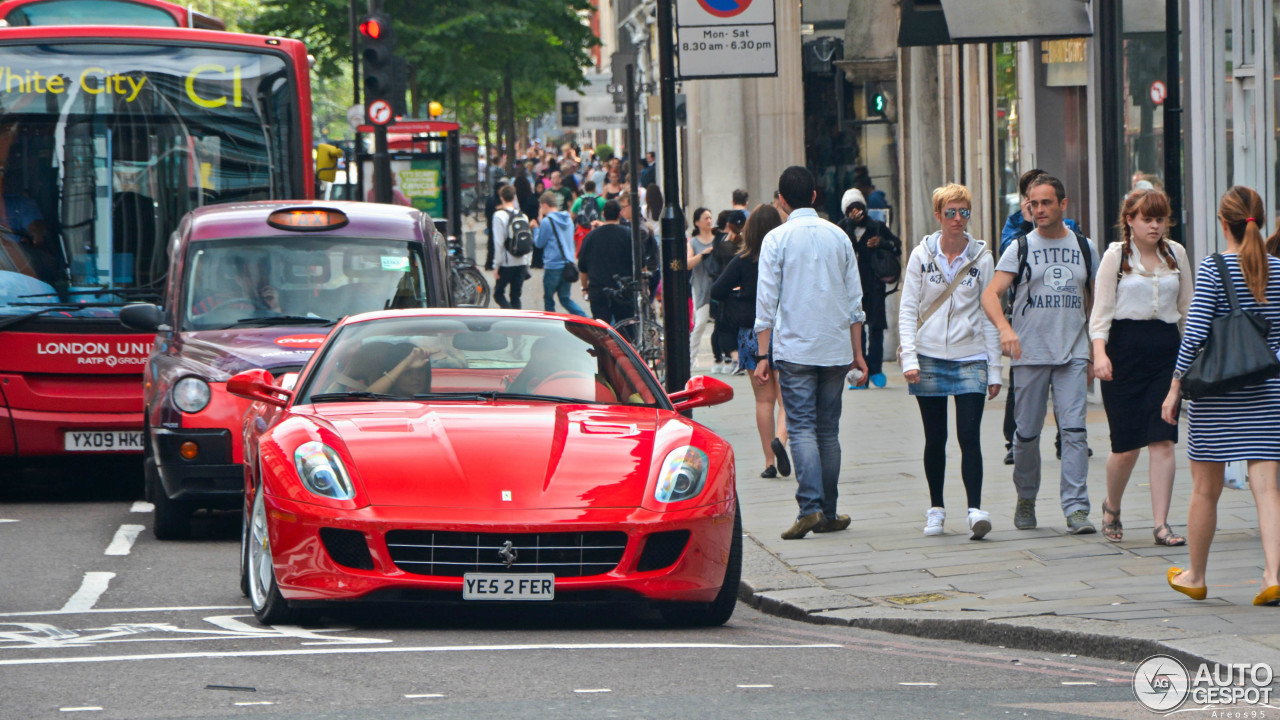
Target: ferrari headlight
683,475
322,471
191,394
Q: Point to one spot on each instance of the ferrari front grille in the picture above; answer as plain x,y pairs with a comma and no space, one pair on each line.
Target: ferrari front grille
453,554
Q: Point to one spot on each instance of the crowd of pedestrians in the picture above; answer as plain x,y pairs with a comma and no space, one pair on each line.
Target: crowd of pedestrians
1136,317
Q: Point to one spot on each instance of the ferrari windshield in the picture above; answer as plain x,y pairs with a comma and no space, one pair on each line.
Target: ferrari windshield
469,358
105,146
298,280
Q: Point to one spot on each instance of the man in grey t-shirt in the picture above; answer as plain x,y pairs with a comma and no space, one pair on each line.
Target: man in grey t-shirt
1049,344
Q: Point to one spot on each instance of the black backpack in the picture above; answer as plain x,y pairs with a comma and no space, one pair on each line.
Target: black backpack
588,212
885,264
1024,270
519,235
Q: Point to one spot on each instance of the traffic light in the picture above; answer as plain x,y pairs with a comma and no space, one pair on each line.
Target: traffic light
877,101
379,62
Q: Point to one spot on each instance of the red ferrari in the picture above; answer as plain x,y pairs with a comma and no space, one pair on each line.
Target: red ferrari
485,457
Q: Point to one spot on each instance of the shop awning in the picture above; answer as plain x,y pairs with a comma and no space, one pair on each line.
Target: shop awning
944,22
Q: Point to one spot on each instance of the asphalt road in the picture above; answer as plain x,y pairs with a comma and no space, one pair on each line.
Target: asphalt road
98,618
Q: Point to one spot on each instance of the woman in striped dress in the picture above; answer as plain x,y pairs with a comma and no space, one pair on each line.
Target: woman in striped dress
1240,425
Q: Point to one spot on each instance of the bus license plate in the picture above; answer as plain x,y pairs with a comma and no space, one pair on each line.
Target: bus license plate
103,440
486,586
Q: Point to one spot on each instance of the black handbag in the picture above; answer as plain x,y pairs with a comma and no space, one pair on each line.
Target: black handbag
1235,354
570,273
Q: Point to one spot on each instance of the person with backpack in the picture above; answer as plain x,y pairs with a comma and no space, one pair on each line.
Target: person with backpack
1051,270
587,211
555,236
513,248
879,254
1016,225
950,349
724,334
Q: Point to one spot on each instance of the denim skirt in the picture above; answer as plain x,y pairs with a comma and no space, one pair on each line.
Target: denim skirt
943,378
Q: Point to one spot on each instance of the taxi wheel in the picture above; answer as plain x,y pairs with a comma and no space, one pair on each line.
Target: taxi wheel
269,606
172,517
718,611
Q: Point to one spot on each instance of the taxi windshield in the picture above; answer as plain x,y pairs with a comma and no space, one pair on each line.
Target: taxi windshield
470,358
297,280
105,146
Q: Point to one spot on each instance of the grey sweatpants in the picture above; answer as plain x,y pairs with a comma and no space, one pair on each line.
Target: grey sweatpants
1070,390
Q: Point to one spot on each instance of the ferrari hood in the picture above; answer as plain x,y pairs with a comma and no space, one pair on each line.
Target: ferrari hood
513,457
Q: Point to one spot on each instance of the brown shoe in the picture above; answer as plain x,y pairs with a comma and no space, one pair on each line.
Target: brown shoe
836,524
804,525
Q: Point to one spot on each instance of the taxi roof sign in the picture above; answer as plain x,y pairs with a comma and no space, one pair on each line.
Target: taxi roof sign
308,218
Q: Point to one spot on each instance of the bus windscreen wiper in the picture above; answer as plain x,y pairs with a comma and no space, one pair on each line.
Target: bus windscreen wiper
15,319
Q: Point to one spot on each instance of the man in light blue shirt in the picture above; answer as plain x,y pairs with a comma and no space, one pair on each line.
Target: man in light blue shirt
809,318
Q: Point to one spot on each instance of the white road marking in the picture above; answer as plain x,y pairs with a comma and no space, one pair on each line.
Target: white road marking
420,649
918,684
746,687
64,611
6,520
588,691
1073,682
425,695
255,702
95,583
142,506
87,708
122,543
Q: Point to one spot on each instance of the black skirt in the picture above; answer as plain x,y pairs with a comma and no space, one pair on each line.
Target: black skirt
1143,354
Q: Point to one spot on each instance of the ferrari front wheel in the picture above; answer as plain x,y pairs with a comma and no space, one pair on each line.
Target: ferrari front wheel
269,606
718,611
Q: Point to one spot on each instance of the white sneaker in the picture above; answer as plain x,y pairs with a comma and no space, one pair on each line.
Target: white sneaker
933,521
979,523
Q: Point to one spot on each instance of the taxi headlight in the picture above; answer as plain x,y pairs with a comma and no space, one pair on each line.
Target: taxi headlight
683,475
191,394
322,471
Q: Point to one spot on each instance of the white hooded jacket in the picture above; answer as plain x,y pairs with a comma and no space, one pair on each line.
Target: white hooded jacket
959,328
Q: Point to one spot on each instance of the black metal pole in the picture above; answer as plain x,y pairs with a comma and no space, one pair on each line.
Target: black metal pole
633,171
1111,88
675,271
1173,119
355,184
381,153
453,154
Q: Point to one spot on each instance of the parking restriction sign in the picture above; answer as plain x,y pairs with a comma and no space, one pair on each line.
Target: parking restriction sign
726,38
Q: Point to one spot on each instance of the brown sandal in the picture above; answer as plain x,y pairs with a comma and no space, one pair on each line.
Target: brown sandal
1167,537
1113,530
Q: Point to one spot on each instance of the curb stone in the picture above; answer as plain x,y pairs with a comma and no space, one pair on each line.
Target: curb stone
775,588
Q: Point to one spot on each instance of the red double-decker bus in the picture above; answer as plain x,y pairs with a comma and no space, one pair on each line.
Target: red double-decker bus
108,136
157,13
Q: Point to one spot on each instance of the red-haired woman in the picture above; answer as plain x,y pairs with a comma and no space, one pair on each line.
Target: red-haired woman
1143,291
1240,425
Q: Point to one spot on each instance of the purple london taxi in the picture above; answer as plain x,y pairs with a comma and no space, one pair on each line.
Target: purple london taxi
260,285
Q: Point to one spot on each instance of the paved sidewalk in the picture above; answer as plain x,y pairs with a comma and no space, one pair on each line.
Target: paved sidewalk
1036,589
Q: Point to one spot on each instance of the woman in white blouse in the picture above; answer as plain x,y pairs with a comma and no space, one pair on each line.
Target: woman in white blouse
1144,288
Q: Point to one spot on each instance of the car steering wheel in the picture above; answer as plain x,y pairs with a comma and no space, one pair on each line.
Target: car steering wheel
561,376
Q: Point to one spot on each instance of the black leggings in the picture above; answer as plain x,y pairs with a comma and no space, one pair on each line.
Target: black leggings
724,340
933,411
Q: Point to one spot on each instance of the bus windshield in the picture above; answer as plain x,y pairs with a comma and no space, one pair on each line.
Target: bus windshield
103,149
90,12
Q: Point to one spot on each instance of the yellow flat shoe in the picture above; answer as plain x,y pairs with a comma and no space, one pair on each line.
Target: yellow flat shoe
1270,596
1198,593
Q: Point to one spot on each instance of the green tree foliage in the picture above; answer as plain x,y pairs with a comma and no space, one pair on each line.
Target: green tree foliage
460,52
